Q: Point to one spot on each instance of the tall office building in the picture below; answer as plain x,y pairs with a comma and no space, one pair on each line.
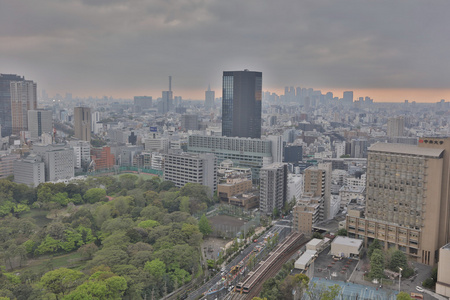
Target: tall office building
273,187
347,97
407,200
82,152
395,127
189,122
209,98
142,102
23,99
241,104
39,122
82,123
167,99
5,102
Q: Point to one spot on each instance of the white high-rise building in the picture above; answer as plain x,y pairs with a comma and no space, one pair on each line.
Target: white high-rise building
395,127
95,126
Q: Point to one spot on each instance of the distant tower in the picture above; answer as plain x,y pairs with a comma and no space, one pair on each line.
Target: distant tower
5,102
82,123
209,98
348,98
241,104
167,98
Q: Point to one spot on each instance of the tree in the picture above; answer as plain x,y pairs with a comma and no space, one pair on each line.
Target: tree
61,281
94,195
317,235
156,268
276,213
148,224
377,264
342,232
398,260
102,285
88,250
376,244
204,226
403,296
184,204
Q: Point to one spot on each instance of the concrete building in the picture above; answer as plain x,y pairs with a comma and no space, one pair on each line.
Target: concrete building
82,152
59,161
30,171
354,195
407,202
359,148
142,103
102,158
293,154
317,182
273,188
82,123
39,122
191,168
307,212
343,246
241,104
243,152
155,143
23,99
395,127
7,164
443,276
277,147
294,187
209,98
189,122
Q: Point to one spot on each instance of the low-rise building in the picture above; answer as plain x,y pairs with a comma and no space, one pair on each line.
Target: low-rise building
30,171
343,246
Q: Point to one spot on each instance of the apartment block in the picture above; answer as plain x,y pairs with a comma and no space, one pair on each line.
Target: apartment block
273,187
190,168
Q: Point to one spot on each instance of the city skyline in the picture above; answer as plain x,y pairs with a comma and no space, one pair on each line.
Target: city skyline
123,49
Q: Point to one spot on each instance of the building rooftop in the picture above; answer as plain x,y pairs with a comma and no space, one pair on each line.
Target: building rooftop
446,247
343,240
306,257
315,242
406,149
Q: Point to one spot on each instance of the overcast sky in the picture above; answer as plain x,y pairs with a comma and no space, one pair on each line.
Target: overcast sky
124,48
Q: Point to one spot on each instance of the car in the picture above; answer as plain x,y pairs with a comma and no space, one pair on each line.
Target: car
419,289
255,240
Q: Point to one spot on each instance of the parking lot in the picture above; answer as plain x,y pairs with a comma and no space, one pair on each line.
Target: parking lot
327,267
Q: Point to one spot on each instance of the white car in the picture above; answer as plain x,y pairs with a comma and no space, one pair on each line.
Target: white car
419,289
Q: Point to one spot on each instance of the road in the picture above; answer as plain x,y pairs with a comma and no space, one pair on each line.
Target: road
283,229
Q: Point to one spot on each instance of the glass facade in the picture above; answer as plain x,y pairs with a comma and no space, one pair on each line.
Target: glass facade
241,104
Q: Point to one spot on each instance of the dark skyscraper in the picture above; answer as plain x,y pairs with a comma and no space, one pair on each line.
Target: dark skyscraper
241,104
5,102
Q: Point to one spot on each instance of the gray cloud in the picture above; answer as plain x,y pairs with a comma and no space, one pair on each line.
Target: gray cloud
127,47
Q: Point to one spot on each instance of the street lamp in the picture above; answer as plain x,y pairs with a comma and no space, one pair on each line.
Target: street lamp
399,278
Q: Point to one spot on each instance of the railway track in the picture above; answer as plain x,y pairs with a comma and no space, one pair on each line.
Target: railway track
273,269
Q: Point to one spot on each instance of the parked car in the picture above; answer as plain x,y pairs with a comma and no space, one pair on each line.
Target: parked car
419,289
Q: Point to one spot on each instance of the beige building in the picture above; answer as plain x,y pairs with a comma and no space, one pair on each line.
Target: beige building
407,200
23,99
306,213
443,277
237,191
317,181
